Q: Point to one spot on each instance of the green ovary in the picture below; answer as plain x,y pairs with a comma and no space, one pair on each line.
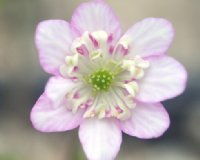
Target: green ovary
101,80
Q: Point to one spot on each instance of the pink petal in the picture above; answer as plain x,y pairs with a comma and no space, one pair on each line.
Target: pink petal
53,40
57,88
152,36
101,139
165,79
46,118
147,121
94,16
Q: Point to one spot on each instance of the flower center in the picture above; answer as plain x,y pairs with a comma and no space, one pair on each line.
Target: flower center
108,76
101,80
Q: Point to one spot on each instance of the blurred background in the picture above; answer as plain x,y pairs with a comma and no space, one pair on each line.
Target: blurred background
22,81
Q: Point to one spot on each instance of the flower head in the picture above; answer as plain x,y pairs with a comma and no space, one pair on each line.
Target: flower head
104,81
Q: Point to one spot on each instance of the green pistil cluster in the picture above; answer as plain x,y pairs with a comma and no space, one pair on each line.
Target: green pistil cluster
101,80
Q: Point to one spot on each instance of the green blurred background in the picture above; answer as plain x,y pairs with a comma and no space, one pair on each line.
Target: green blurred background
22,80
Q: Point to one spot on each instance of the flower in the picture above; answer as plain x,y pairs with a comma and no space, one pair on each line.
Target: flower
104,81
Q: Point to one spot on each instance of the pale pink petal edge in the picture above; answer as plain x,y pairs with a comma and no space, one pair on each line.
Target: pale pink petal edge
51,124
131,132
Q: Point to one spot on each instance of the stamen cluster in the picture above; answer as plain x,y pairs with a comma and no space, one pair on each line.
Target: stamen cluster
102,73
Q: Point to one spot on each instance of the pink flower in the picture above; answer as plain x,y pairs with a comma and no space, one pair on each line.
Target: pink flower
106,82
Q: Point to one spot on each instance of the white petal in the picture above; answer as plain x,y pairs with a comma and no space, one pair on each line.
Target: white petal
57,88
164,79
152,36
146,121
47,118
95,16
53,40
101,139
